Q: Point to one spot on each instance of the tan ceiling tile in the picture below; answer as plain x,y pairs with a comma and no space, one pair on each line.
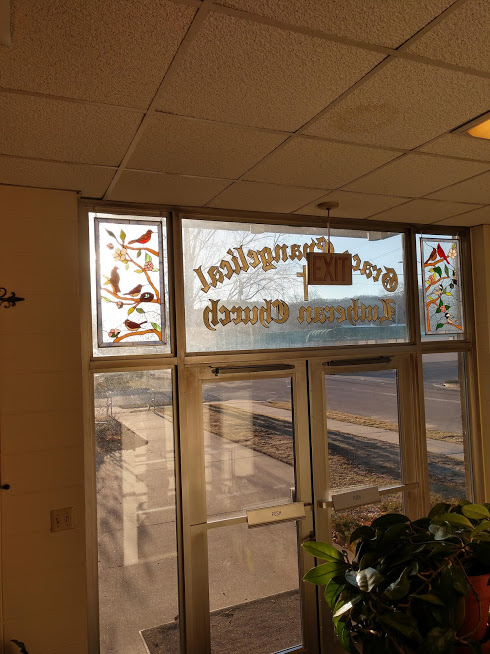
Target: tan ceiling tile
194,147
460,145
405,104
319,164
425,211
160,188
272,77
367,21
36,127
91,181
415,174
476,190
470,219
352,205
252,196
462,38
115,52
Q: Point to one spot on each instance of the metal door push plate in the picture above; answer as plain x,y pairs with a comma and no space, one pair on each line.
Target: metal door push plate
272,514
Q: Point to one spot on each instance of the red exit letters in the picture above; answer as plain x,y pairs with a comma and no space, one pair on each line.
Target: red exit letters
325,268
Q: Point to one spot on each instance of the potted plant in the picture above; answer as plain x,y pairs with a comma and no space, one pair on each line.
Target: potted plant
409,583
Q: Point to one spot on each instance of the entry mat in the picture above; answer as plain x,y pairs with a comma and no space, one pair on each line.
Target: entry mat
265,625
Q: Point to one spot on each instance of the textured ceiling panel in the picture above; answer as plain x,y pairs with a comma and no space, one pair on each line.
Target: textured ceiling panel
136,186
405,104
193,147
472,190
415,175
370,21
424,211
252,196
352,205
36,127
460,145
476,217
92,181
114,52
463,38
320,164
244,72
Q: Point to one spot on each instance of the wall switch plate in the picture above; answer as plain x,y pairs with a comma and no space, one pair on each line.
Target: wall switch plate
62,519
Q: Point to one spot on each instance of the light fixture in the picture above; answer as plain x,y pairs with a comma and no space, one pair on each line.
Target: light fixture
478,127
481,131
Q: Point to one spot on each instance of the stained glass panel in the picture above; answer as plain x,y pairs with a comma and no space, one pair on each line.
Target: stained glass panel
130,283
443,310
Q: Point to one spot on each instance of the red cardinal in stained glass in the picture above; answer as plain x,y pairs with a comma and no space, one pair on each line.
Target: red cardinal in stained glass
142,239
133,326
441,253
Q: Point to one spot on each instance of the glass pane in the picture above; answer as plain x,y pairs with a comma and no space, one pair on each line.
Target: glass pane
138,588
249,445
344,522
128,273
439,278
443,393
254,589
363,436
246,287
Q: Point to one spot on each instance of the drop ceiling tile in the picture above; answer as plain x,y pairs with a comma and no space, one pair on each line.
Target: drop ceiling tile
367,21
160,188
319,164
272,77
462,38
470,219
424,211
36,127
114,52
460,145
405,104
252,196
91,181
415,174
352,205
194,147
476,190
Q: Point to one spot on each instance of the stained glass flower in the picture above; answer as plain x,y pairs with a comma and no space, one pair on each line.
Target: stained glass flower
149,265
452,252
120,254
110,246
119,304
114,333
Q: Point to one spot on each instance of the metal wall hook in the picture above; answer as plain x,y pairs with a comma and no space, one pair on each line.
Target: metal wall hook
9,301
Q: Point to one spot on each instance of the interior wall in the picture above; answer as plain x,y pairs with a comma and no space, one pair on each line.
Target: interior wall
480,247
41,430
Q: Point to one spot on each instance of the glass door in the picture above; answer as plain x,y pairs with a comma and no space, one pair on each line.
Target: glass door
248,459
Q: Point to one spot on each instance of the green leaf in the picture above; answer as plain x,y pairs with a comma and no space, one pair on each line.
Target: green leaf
111,233
439,325
130,311
106,299
122,236
448,293
431,598
147,257
483,526
475,511
399,588
156,326
364,532
332,592
446,271
438,310
343,634
322,551
138,271
402,622
368,579
441,532
140,310
439,641
154,270
138,254
322,574
392,535
387,520
454,519
459,580
438,270
127,266
439,508
368,559
347,607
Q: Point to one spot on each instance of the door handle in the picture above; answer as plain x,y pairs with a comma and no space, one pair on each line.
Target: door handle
273,514
5,487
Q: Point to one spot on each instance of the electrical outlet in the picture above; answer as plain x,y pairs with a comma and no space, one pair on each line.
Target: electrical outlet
62,519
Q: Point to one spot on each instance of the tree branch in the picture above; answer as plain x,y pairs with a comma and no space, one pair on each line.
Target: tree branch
138,333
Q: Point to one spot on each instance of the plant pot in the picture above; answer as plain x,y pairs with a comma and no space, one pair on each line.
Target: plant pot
476,608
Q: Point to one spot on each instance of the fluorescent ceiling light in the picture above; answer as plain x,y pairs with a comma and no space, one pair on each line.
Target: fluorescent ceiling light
481,131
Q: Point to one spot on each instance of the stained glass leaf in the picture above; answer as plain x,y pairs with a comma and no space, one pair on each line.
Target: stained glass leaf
105,298
155,326
138,271
127,266
140,310
147,257
438,270
154,270
138,254
440,325
446,271
123,235
110,233
130,311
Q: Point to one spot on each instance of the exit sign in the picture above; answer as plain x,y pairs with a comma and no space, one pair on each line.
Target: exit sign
329,269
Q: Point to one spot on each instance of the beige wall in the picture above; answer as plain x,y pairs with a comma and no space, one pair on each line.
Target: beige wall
480,245
43,574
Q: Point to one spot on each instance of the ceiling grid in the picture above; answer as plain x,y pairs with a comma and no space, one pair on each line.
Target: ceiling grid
253,105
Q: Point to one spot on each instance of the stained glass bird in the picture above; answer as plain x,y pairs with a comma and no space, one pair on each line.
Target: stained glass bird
146,297
135,291
143,239
133,326
114,280
441,253
451,319
432,256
